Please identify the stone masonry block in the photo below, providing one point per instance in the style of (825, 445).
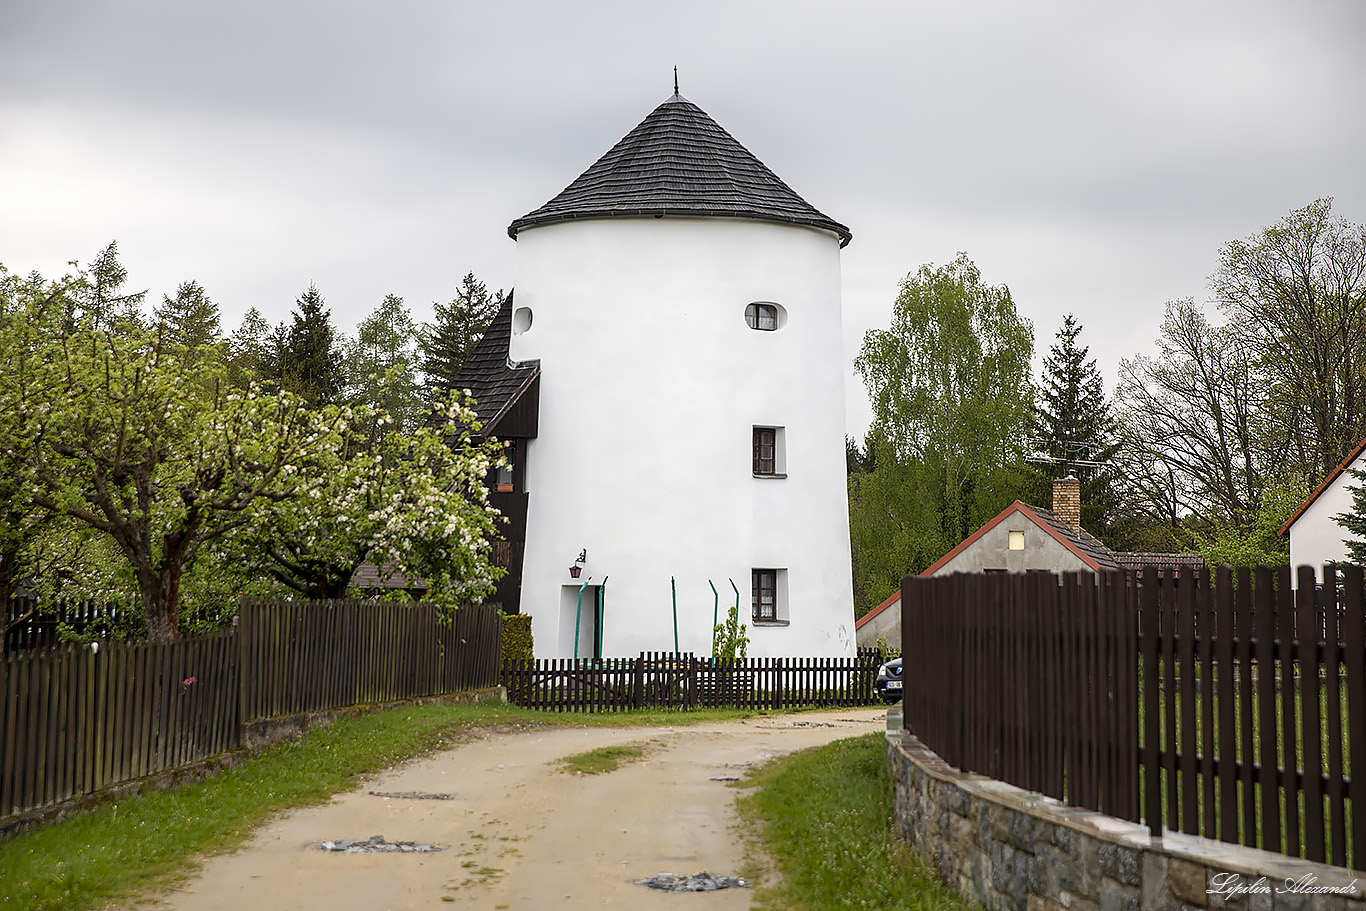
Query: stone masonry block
(1081, 867)
(1010, 873)
(956, 801)
(1023, 834)
(1073, 902)
(1188, 882)
(1044, 880)
(999, 819)
(1115, 896)
(1120, 864)
(1155, 893)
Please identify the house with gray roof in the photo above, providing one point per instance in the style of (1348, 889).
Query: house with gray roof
(1024, 538)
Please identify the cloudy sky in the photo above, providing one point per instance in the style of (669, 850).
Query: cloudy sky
(1091, 156)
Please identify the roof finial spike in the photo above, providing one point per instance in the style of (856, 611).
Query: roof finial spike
(675, 80)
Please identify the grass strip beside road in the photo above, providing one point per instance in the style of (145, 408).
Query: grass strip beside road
(148, 842)
(825, 817)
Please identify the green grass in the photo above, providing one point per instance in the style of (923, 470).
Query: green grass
(126, 849)
(603, 759)
(1292, 753)
(825, 816)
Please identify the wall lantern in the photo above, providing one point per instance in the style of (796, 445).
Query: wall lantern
(575, 570)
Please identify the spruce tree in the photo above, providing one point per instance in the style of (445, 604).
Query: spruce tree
(1354, 522)
(101, 301)
(190, 318)
(251, 352)
(309, 364)
(1073, 429)
(456, 329)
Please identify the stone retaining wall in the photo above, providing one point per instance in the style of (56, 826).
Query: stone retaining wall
(1016, 850)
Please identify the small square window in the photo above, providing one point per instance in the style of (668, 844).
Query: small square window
(1017, 540)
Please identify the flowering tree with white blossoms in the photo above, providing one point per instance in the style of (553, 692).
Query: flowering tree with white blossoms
(140, 440)
(440, 524)
(113, 434)
(412, 503)
(26, 304)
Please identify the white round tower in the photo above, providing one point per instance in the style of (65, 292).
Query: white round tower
(684, 307)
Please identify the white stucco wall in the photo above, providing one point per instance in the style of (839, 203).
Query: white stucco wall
(885, 625)
(651, 385)
(1316, 538)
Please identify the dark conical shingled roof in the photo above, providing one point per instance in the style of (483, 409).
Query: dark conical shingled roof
(679, 161)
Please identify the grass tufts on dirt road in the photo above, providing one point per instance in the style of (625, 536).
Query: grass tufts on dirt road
(137, 845)
(824, 815)
(603, 759)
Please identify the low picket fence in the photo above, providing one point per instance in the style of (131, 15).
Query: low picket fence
(673, 680)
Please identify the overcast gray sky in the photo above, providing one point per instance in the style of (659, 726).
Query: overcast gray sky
(1091, 156)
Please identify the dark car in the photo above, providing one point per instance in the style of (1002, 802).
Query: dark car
(888, 683)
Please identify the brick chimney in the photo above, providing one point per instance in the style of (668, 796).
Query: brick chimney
(1067, 502)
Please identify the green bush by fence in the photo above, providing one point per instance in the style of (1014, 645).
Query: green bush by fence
(517, 642)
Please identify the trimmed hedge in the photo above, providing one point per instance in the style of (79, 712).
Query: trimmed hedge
(517, 642)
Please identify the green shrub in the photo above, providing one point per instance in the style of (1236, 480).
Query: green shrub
(729, 641)
(517, 642)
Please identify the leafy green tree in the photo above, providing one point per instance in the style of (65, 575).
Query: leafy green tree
(453, 333)
(949, 384)
(381, 363)
(138, 441)
(894, 526)
(1254, 541)
(309, 362)
(1074, 431)
(413, 502)
(189, 319)
(1300, 287)
(29, 308)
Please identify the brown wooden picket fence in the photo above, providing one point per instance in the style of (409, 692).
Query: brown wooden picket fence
(674, 680)
(1235, 711)
(30, 624)
(77, 719)
(308, 656)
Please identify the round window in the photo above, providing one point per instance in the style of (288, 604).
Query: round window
(765, 316)
(521, 320)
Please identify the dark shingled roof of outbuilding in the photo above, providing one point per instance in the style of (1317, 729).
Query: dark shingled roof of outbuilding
(496, 382)
(679, 161)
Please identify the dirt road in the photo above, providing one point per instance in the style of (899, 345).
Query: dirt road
(518, 833)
